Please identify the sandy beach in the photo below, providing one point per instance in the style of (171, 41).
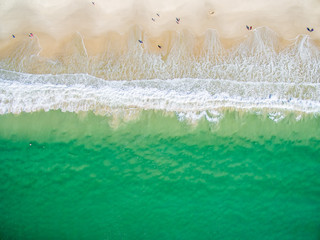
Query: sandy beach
(113, 23)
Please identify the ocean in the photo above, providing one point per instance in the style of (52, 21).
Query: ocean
(222, 144)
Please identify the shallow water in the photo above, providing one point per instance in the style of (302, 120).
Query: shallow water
(68, 176)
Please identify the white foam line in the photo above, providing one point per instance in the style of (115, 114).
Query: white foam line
(83, 45)
(40, 48)
(16, 97)
(25, 78)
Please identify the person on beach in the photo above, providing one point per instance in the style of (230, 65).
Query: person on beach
(140, 41)
(159, 46)
(310, 30)
(30, 35)
(177, 20)
(93, 3)
(153, 19)
(158, 14)
(13, 36)
(249, 28)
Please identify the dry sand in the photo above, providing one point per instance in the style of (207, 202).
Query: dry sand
(112, 23)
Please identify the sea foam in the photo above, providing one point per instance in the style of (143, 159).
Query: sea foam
(256, 74)
(81, 92)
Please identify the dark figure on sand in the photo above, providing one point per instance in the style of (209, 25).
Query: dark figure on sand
(140, 41)
(249, 28)
(310, 30)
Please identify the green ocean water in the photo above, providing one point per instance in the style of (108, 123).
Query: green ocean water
(81, 176)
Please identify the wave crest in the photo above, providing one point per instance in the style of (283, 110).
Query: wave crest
(81, 92)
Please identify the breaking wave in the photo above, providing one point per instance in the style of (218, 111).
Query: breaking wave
(256, 74)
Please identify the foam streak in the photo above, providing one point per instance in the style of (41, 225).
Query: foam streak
(48, 92)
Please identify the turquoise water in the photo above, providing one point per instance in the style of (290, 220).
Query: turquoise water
(82, 176)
